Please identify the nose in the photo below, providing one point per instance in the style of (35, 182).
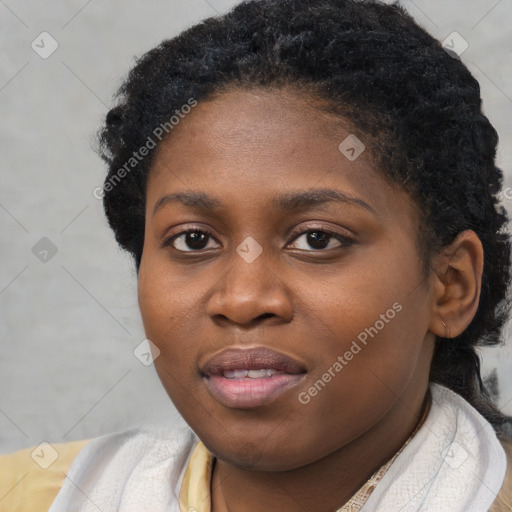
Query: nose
(250, 293)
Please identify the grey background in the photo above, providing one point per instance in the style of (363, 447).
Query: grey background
(70, 324)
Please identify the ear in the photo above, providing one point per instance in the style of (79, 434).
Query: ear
(457, 281)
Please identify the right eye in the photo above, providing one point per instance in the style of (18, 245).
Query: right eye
(192, 238)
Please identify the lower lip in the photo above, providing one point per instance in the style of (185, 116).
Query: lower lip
(247, 393)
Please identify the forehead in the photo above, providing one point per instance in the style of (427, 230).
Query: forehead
(262, 141)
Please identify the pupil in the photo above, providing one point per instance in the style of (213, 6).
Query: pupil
(194, 237)
(316, 237)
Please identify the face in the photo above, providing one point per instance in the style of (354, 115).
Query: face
(328, 292)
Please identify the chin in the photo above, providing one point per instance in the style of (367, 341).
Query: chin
(259, 456)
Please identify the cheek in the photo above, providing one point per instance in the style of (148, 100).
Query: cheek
(166, 310)
(168, 319)
(371, 336)
(377, 301)
(167, 299)
(356, 383)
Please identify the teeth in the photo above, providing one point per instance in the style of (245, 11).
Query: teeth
(236, 374)
(257, 374)
(261, 374)
(253, 374)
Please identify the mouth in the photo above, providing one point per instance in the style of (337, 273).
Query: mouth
(246, 378)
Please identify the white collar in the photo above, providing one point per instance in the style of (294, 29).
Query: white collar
(454, 463)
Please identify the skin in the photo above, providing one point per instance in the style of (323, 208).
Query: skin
(245, 147)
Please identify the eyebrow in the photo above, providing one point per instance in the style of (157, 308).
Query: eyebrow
(291, 201)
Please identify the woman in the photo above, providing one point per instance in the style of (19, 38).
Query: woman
(308, 189)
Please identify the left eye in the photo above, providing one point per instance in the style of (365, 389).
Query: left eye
(319, 239)
(195, 239)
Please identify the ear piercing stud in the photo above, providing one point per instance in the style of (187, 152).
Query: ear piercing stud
(449, 335)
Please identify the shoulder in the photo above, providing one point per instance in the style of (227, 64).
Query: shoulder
(140, 467)
(36, 478)
(503, 502)
(31, 478)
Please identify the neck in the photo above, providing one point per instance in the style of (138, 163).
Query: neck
(324, 485)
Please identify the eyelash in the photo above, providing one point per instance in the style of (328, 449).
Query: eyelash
(344, 241)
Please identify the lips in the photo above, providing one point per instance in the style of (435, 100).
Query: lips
(251, 359)
(247, 378)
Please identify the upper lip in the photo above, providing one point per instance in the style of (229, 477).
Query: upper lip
(251, 359)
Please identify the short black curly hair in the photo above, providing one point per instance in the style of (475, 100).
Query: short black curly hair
(417, 106)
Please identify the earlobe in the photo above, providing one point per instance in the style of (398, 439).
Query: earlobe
(458, 279)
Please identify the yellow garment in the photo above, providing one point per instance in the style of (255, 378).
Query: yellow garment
(195, 488)
(27, 487)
